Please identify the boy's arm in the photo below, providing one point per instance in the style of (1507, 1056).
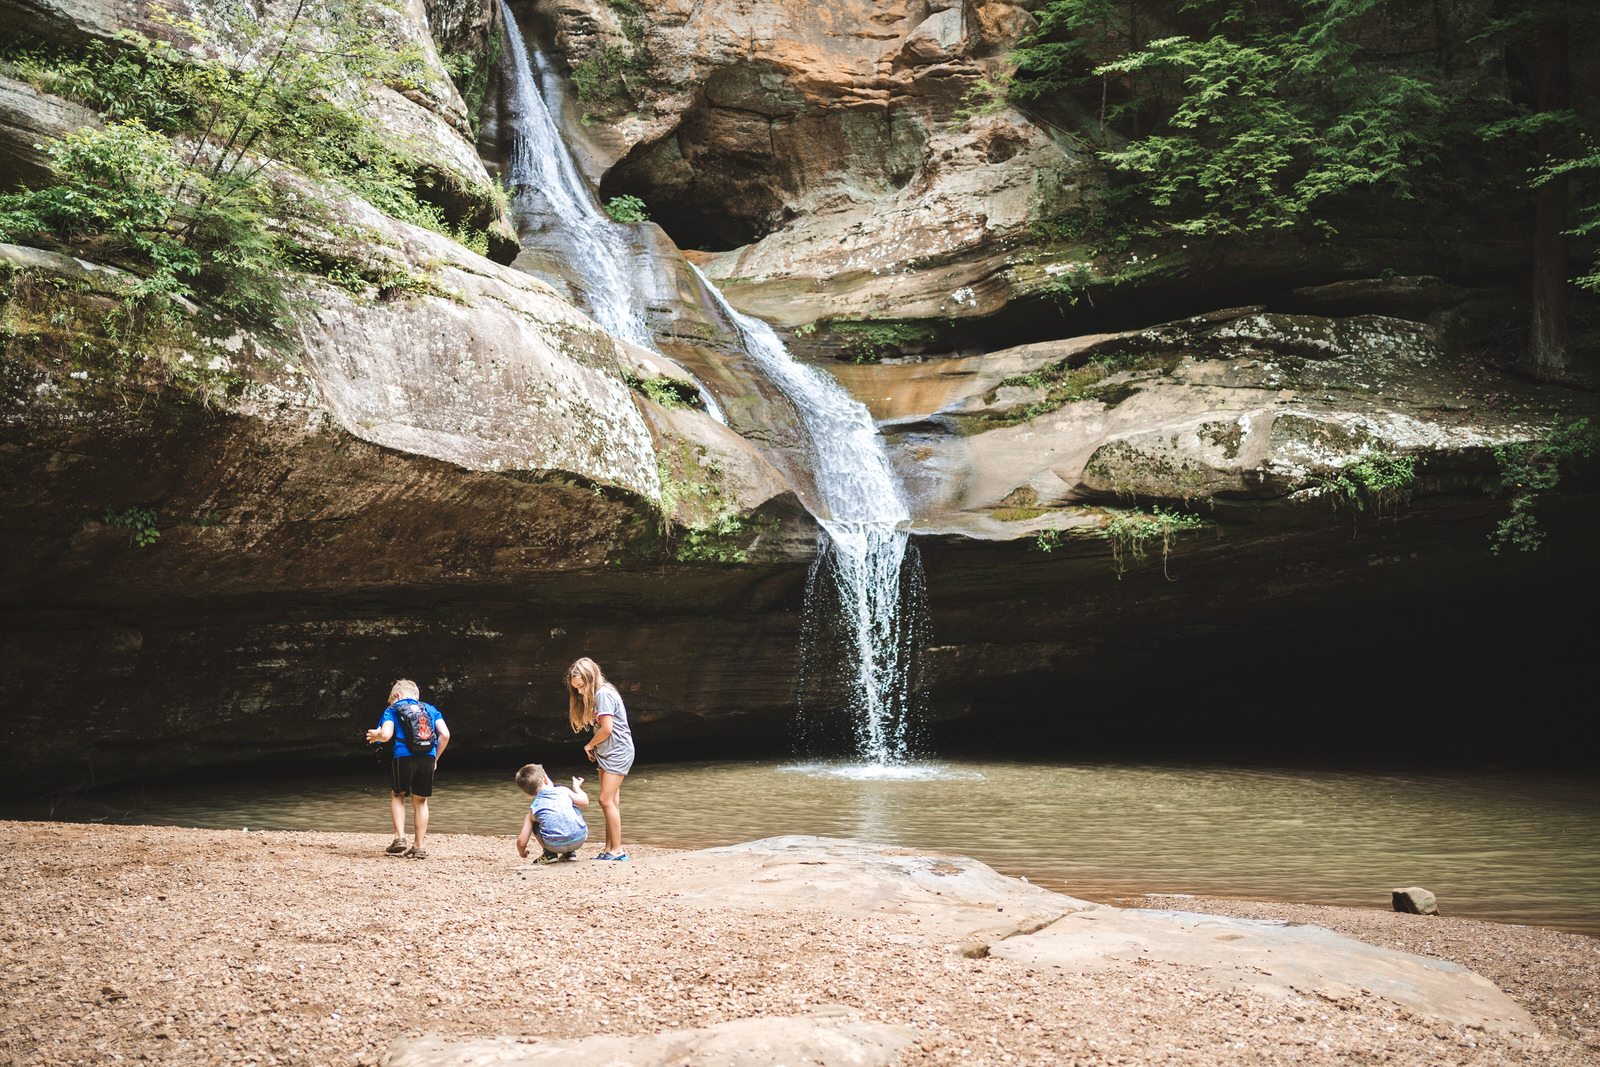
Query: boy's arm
(444, 737)
(579, 797)
(384, 731)
(522, 838)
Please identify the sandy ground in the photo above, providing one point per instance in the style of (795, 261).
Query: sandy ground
(192, 946)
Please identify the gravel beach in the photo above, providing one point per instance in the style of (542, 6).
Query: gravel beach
(197, 946)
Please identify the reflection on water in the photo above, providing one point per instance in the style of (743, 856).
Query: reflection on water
(1514, 847)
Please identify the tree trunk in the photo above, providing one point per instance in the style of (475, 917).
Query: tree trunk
(1547, 352)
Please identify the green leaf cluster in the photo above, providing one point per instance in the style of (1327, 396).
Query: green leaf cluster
(627, 209)
(1257, 122)
(1382, 482)
(714, 531)
(182, 184)
(668, 392)
(1527, 470)
(873, 341)
(139, 522)
(1131, 533)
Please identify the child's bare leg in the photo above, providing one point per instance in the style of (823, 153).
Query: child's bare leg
(611, 805)
(397, 812)
(421, 804)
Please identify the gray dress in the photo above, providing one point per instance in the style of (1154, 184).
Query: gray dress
(615, 753)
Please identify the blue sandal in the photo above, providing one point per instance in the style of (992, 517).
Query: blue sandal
(609, 856)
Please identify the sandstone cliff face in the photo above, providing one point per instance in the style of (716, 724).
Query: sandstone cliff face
(819, 137)
(461, 429)
(817, 149)
(461, 478)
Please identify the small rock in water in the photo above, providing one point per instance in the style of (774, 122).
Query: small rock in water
(1415, 901)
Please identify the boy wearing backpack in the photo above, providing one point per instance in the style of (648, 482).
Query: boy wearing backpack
(420, 736)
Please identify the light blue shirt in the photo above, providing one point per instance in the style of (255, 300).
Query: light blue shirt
(559, 821)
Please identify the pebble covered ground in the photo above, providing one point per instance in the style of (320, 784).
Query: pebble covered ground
(197, 946)
(1554, 975)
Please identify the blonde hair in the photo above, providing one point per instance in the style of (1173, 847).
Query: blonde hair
(530, 778)
(581, 703)
(405, 688)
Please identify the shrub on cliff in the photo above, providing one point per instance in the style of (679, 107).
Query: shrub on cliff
(1256, 120)
(198, 207)
(1218, 119)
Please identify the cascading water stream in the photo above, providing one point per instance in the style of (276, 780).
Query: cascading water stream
(541, 166)
(545, 181)
(864, 556)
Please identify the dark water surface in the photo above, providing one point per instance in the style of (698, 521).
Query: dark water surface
(1513, 847)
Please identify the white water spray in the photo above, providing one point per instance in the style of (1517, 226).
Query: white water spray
(542, 167)
(864, 557)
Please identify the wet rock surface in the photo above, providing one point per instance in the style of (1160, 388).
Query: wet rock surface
(182, 946)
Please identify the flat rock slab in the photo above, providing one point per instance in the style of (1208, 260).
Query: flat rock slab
(839, 1039)
(955, 898)
(1268, 957)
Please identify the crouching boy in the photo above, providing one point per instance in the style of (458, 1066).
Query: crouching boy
(552, 815)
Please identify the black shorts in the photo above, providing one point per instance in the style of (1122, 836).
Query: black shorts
(413, 775)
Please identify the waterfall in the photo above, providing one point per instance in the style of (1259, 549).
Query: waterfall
(863, 563)
(864, 575)
(543, 168)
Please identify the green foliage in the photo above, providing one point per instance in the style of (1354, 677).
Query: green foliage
(1529, 469)
(117, 184)
(1132, 532)
(1256, 124)
(206, 220)
(118, 81)
(871, 342)
(715, 530)
(668, 392)
(716, 540)
(1048, 540)
(627, 209)
(602, 75)
(471, 75)
(139, 522)
(1382, 482)
(1584, 163)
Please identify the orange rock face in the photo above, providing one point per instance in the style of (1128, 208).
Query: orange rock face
(815, 145)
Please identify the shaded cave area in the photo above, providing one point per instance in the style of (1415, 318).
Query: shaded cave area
(704, 200)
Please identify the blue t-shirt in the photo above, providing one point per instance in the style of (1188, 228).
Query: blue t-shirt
(559, 821)
(400, 748)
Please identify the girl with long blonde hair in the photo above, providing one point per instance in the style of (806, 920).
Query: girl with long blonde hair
(594, 702)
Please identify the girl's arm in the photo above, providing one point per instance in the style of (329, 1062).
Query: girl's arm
(579, 797)
(527, 832)
(602, 730)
